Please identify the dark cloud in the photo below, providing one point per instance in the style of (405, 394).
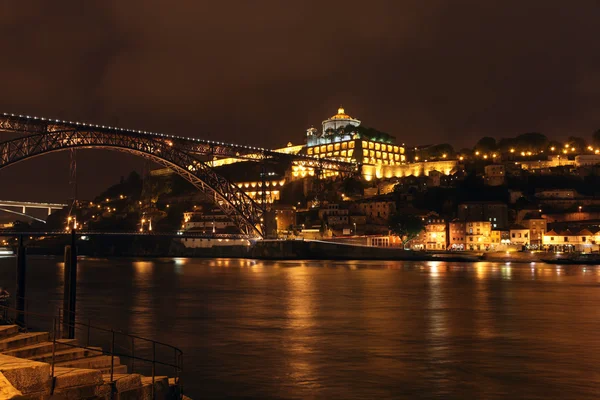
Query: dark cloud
(263, 71)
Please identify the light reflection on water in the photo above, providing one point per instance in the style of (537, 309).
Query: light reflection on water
(325, 329)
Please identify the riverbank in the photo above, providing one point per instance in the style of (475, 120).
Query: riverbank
(283, 250)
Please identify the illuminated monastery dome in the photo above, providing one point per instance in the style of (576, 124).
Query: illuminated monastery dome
(341, 119)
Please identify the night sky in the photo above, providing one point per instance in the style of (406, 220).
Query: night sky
(261, 72)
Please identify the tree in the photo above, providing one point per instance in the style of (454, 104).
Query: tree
(505, 144)
(579, 143)
(596, 137)
(486, 144)
(439, 150)
(406, 226)
(533, 141)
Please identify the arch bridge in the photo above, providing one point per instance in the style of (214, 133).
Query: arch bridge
(185, 156)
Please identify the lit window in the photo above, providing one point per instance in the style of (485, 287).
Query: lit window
(345, 145)
(377, 146)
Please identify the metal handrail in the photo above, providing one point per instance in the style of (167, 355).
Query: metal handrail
(58, 323)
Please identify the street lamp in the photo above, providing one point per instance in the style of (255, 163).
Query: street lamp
(355, 228)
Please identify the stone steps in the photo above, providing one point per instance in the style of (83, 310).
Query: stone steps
(94, 362)
(79, 373)
(67, 377)
(39, 348)
(73, 353)
(22, 339)
(26, 376)
(118, 369)
(76, 383)
(8, 330)
(124, 382)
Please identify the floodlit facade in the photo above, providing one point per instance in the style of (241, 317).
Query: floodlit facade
(435, 235)
(519, 235)
(584, 240)
(478, 235)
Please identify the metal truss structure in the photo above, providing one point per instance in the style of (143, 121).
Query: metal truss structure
(46, 136)
(212, 149)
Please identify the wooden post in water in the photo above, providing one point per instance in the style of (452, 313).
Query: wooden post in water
(73, 284)
(21, 275)
(66, 292)
(70, 288)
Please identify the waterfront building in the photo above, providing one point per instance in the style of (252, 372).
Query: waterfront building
(195, 243)
(499, 238)
(519, 235)
(537, 229)
(567, 240)
(478, 235)
(213, 221)
(435, 235)
(334, 215)
(457, 235)
(378, 241)
(494, 212)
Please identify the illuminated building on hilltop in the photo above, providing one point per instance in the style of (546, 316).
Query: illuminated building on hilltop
(344, 139)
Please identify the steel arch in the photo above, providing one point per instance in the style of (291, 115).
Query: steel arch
(238, 206)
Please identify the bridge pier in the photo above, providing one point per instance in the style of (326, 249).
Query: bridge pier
(21, 280)
(70, 288)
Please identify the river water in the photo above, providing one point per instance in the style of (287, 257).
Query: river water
(350, 330)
